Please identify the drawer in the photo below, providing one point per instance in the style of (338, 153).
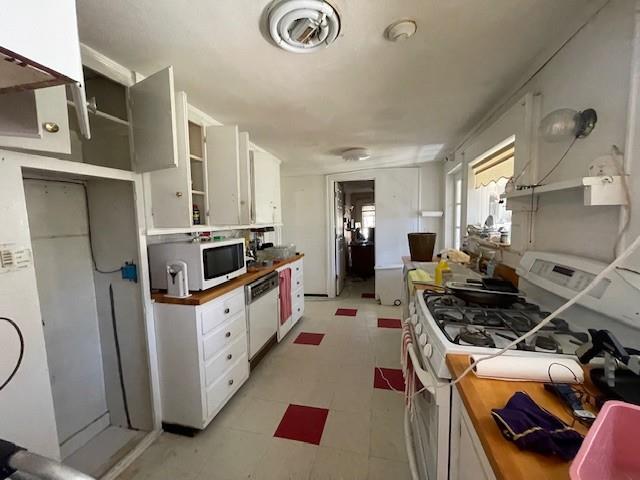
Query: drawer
(297, 309)
(297, 296)
(218, 311)
(297, 268)
(227, 385)
(297, 282)
(221, 362)
(220, 338)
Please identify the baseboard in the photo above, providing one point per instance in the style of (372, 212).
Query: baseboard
(324, 295)
(115, 471)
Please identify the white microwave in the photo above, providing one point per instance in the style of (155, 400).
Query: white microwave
(208, 263)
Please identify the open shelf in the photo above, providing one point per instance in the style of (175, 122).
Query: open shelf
(604, 190)
(208, 228)
(103, 115)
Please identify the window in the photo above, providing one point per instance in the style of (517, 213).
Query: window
(368, 216)
(490, 176)
(457, 209)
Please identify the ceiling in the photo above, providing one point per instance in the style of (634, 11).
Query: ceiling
(404, 101)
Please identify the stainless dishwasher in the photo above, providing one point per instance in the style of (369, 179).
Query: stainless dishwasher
(262, 311)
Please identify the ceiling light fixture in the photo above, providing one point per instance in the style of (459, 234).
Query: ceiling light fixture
(303, 26)
(400, 30)
(356, 154)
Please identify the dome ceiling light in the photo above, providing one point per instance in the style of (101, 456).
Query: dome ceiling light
(303, 26)
(356, 154)
(400, 30)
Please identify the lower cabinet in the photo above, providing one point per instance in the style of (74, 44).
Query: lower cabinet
(467, 458)
(202, 356)
(297, 297)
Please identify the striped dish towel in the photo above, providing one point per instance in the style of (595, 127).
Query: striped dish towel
(407, 367)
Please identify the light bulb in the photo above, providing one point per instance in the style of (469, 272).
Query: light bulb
(566, 123)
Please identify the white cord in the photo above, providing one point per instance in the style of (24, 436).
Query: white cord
(610, 268)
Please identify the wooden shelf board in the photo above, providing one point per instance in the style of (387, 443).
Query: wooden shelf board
(431, 213)
(563, 185)
(195, 158)
(198, 192)
(207, 228)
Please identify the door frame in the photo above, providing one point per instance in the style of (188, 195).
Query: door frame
(331, 181)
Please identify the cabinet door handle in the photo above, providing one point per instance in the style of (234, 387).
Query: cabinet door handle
(229, 357)
(226, 310)
(228, 334)
(51, 127)
(231, 382)
(178, 194)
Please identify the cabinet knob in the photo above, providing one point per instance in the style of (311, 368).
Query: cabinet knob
(51, 127)
(178, 194)
(228, 334)
(229, 357)
(231, 382)
(226, 310)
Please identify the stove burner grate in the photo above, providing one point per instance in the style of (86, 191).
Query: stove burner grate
(547, 343)
(487, 319)
(475, 337)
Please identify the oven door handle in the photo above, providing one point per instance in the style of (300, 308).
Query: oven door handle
(426, 378)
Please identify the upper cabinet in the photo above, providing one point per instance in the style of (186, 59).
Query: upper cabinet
(39, 45)
(266, 187)
(223, 172)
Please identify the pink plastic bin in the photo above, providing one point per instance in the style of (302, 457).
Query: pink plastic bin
(610, 449)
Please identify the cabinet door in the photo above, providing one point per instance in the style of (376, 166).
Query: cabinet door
(223, 174)
(35, 120)
(170, 190)
(153, 120)
(265, 184)
(246, 213)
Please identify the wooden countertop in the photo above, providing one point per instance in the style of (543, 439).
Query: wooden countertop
(199, 298)
(507, 460)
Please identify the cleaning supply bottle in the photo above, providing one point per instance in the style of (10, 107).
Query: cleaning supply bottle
(442, 270)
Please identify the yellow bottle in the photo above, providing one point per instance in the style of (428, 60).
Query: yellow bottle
(441, 268)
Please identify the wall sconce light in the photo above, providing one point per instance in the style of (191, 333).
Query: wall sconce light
(565, 123)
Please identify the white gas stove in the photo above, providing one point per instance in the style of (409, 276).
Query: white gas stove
(444, 324)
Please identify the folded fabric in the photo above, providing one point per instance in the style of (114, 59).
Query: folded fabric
(531, 427)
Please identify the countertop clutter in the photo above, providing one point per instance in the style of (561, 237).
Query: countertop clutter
(200, 298)
(507, 460)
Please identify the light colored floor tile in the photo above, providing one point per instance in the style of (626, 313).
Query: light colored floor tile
(387, 403)
(352, 398)
(286, 460)
(260, 416)
(332, 464)
(387, 437)
(347, 431)
(383, 469)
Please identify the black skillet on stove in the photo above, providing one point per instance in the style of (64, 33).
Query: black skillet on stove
(489, 292)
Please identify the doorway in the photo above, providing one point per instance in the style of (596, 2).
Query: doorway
(355, 223)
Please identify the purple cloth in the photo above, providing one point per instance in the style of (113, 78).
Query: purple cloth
(531, 427)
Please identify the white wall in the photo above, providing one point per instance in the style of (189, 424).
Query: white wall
(591, 71)
(304, 224)
(432, 198)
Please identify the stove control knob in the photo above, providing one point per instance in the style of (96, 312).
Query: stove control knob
(418, 328)
(422, 339)
(427, 350)
(414, 319)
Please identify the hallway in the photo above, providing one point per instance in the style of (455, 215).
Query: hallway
(307, 412)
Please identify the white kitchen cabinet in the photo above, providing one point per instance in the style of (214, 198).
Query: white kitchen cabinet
(266, 188)
(39, 44)
(468, 460)
(202, 357)
(297, 297)
(247, 213)
(223, 173)
(35, 120)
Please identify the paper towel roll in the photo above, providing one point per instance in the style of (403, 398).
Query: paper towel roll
(532, 369)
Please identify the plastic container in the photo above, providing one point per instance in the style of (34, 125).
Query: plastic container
(442, 268)
(610, 449)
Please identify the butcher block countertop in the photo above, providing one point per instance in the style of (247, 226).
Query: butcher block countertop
(507, 460)
(199, 298)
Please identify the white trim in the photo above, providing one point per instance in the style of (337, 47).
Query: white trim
(81, 438)
(115, 471)
(208, 228)
(492, 150)
(105, 66)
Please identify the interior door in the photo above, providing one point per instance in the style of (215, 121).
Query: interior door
(153, 122)
(341, 264)
(170, 192)
(223, 173)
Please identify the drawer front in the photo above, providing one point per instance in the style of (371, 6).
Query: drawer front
(221, 362)
(297, 282)
(218, 311)
(227, 385)
(222, 337)
(297, 309)
(297, 296)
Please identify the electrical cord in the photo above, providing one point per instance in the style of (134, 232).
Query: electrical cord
(564, 155)
(20, 355)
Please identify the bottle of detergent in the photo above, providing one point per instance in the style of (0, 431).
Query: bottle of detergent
(443, 272)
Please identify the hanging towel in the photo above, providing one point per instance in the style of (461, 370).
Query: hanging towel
(407, 367)
(285, 295)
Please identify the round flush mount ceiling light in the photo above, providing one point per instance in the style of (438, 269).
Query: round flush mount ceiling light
(356, 154)
(400, 30)
(303, 26)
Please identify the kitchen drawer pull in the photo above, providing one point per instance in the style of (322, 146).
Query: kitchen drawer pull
(231, 382)
(228, 334)
(226, 310)
(229, 357)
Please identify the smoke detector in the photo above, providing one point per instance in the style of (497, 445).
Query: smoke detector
(400, 30)
(303, 26)
(356, 154)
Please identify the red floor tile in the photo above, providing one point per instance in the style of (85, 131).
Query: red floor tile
(389, 323)
(368, 295)
(392, 379)
(309, 338)
(347, 312)
(301, 423)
